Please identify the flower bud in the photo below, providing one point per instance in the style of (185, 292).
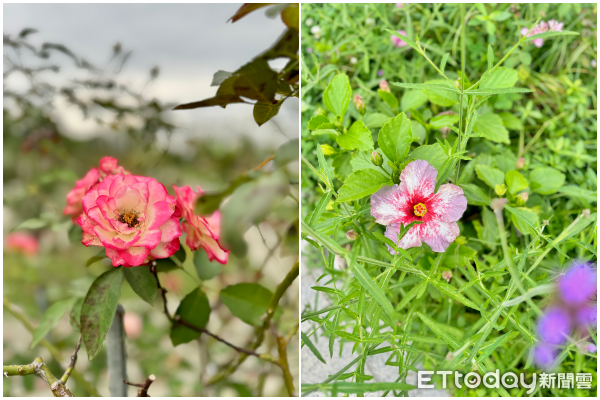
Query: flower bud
(385, 86)
(500, 189)
(352, 235)
(396, 177)
(376, 158)
(521, 163)
(359, 104)
(522, 198)
(327, 150)
(447, 275)
(545, 222)
(586, 213)
(461, 240)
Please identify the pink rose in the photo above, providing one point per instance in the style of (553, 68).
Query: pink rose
(108, 166)
(201, 231)
(132, 217)
(133, 324)
(399, 42)
(23, 242)
(414, 200)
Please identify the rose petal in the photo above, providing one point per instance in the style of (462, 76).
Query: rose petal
(127, 198)
(165, 249)
(170, 229)
(157, 214)
(134, 256)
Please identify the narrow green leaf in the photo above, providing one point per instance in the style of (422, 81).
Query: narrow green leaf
(411, 295)
(490, 57)
(99, 308)
(443, 63)
(424, 86)
(451, 291)
(487, 92)
(359, 387)
(314, 217)
(408, 41)
(311, 346)
(551, 34)
(452, 342)
(374, 290)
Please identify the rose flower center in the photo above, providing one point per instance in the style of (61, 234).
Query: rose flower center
(420, 210)
(129, 218)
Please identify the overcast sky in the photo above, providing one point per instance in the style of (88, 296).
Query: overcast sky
(188, 42)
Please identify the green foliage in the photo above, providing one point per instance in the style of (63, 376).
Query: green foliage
(194, 309)
(518, 124)
(247, 301)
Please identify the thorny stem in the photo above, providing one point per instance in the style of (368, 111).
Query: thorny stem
(39, 368)
(282, 363)
(143, 392)
(54, 352)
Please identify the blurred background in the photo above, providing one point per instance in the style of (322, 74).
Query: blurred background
(83, 81)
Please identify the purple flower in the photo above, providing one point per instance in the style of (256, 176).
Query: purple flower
(554, 326)
(578, 285)
(397, 41)
(587, 315)
(380, 72)
(592, 348)
(544, 355)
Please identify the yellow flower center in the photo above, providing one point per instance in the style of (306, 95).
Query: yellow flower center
(129, 218)
(420, 210)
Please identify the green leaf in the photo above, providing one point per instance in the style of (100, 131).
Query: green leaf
(311, 346)
(374, 290)
(442, 93)
(219, 77)
(375, 120)
(443, 120)
(99, 308)
(36, 223)
(433, 154)
(546, 180)
(100, 256)
(195, 310)
(411, 294)
(317, 121)
(443, 63)
(546, 35)
(250, 204)
(143, 282)
(412, 100)
(205, 268)
(247, 301)
(510, 121)
(515, 182)
(451, 291)
(313, 218)
(338, 94)
(445, 172)
(358, 137)
(395, 138)
(287, 152)
(439, 84)
(491, 176)
(577, 192)
(75, 315)
(475, 195)
(491, 127)
(389, 98)
(486, 92)
(263, 112)
(501, 78)
(490, 57)
(166, 265)
(362, 183)
(52, 315)
(524, 219)
(256, 81)
(451, 341)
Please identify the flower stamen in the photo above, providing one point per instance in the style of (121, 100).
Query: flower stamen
(420, 210)
(129, 218)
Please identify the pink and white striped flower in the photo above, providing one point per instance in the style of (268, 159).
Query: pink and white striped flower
(201, 231)
(108, 166)
(132, 217)
(414, 200)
